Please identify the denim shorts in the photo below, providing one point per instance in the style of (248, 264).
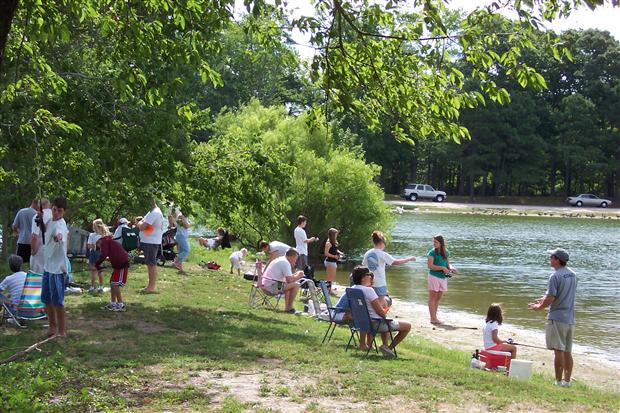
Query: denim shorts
(93, 256)
(330, 264)
(53, 289)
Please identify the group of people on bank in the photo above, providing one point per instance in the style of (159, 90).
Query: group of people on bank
(42, 241)
(370, 277)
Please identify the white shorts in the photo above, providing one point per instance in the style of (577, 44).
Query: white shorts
(437, 284)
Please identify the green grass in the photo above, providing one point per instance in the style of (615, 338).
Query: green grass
(198, 346)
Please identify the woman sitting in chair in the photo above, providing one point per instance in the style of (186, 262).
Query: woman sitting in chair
(362, 280)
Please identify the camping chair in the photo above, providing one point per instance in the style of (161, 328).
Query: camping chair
(130, 238)
(30, 306)
(5, 311)
(332, 312)
(307, 291)
(361, 318)
(260, 297)
(76, 243)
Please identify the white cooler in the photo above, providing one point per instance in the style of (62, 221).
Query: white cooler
(520, 369)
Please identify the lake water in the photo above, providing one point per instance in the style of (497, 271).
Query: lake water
(504, 259)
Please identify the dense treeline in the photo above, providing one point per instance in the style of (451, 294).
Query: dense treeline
(110, 103)
(560, 141)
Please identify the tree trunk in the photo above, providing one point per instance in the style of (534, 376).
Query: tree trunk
(461, 181)
(552, 179)
(413, 168)
(471, 187)
(7, 12)
(484, 184)
(567, 178)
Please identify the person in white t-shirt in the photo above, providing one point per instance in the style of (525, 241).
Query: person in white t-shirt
(151, 230)
(363, 280)
(236, 258)
(118, 232)
(302, 241)
(100, 230)
(274, 248)
(55, 269)
(280, 271)
(376, 259)
(490, 334)
(13, 283)
(37, 257)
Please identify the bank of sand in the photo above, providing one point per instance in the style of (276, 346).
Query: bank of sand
(590, 368)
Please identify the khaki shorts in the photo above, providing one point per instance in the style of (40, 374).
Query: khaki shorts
(383, 328)
(559, 335)
(272, 288)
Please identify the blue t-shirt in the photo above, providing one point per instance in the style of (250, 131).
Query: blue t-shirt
(562, 285)
(437, 260)
(23, 220)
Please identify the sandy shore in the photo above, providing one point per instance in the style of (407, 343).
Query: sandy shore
(506, 209)
(590, 368)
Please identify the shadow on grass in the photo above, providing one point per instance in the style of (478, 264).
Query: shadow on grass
(145, 336)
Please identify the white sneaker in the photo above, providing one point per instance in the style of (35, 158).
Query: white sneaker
(100, 290)
(110, 306)
(387, 352)
(558, 383)
(565, 383)
(91, 290)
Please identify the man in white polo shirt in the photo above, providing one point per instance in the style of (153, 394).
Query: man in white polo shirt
(151, 230)
(280, 272)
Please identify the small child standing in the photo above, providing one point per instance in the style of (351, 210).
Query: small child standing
(235, 260)
(100, 230)
(120, 268)
(490, 332)
(55, 268)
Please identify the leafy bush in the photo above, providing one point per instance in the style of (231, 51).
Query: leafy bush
(308, 174)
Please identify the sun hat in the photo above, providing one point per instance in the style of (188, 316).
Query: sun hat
(123, 221)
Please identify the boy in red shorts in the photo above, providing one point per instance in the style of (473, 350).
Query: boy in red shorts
(120, 266)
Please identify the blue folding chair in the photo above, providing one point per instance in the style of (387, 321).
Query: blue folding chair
(361, 318)
(333, 311)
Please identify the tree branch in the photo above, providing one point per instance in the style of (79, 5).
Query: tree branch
(28, 350)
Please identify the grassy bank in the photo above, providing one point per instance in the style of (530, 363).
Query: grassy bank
(197, 346)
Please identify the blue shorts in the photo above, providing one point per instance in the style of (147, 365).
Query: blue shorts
(53, 289)
(93, 256)
(381, 290)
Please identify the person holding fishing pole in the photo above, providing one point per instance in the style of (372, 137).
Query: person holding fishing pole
(376, 259)
(439, 270)
(560, 327)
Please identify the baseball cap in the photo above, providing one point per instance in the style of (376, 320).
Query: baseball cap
(560, 253)
(123, 221)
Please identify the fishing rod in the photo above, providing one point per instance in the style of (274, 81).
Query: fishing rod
(528, 345)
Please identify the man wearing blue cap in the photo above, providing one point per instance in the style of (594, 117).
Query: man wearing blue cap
(560, 298)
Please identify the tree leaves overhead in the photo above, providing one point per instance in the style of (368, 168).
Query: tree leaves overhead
(398, 58)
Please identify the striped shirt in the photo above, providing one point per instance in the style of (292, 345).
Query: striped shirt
(15, 284)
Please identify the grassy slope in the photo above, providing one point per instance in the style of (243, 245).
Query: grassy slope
(174, 350)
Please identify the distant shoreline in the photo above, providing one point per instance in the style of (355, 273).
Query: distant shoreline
(449, 207)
